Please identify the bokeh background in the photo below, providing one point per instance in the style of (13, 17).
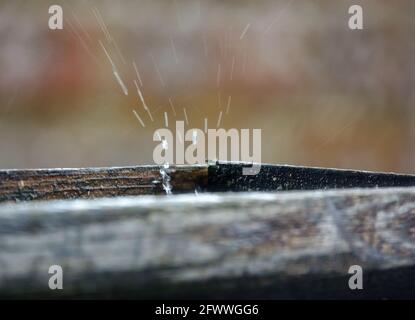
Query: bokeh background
(322, 94)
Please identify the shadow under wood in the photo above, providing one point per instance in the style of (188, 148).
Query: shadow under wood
(397, 283)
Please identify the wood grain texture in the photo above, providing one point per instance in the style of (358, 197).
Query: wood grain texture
(258, 245)
(47, 184)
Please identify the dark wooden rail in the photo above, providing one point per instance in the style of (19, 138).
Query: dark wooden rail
(88, 183)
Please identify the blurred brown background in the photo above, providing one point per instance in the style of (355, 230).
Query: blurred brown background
(322, 94)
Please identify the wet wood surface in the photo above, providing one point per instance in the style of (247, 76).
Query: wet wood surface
(237, 245)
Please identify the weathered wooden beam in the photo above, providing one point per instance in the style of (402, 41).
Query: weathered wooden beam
(258, 245)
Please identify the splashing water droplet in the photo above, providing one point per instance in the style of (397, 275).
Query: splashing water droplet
(165, 171)
(164, 144)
